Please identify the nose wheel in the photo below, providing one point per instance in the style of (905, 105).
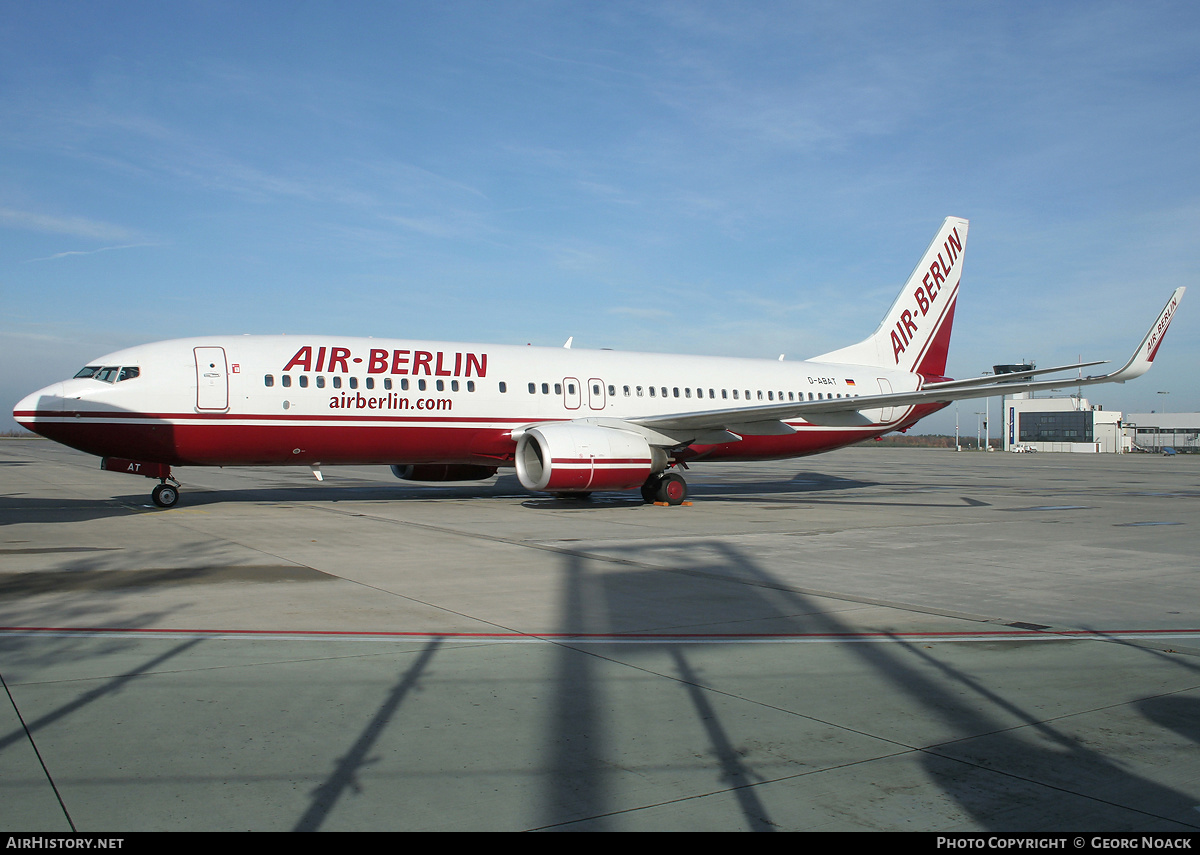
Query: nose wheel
(165, 495)
(668, 488)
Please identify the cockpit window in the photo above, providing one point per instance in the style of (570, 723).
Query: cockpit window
(87, 371)
(110, 373)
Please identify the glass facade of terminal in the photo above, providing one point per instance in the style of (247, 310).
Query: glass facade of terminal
(1066, 426)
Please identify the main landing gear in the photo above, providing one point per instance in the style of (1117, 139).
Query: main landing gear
(666, 487)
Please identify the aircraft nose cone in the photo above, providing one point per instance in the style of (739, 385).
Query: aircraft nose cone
(42, 402)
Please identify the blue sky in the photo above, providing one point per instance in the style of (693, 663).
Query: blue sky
(730, 178)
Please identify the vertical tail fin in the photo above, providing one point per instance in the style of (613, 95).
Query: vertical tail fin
(915, 333)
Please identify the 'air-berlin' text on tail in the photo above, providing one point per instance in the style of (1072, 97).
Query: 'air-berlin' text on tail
(915, 333)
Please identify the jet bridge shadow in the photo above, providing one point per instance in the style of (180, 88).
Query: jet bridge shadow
(1001, 776)
(345, 776)
(964, 704)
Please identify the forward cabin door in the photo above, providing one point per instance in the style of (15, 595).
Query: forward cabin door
(212, 379)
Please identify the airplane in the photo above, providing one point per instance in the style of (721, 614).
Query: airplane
(570, 421)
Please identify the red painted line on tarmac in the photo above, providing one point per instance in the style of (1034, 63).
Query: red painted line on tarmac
(982, 635)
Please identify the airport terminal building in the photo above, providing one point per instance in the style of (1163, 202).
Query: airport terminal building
(1156, 431)
(1075, 424)
(1062, 424)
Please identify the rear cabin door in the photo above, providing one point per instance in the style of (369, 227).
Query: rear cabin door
(885, 388)
(596, 393)
(212, 379)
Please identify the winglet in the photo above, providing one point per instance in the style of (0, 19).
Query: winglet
(1143, 357)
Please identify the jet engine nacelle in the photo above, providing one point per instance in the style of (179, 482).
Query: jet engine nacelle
(442, 472)
(572, 457)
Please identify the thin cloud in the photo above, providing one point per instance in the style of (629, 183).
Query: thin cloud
(88, 251)
(76, 226)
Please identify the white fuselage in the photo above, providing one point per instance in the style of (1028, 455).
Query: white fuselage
(314, 399)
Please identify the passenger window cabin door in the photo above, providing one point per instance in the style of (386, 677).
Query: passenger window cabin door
(572, 396)
(212, 379)
(596, 398)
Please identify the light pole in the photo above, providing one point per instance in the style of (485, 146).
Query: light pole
(1164, 409)
(987, 412)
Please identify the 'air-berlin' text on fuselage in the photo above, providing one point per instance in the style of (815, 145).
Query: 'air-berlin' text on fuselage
(925, 295)
(378, 361)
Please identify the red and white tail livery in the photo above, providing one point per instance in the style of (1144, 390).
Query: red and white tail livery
(915, 334)
(570, 421)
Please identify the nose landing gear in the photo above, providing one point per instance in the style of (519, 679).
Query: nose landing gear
(165, 495)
